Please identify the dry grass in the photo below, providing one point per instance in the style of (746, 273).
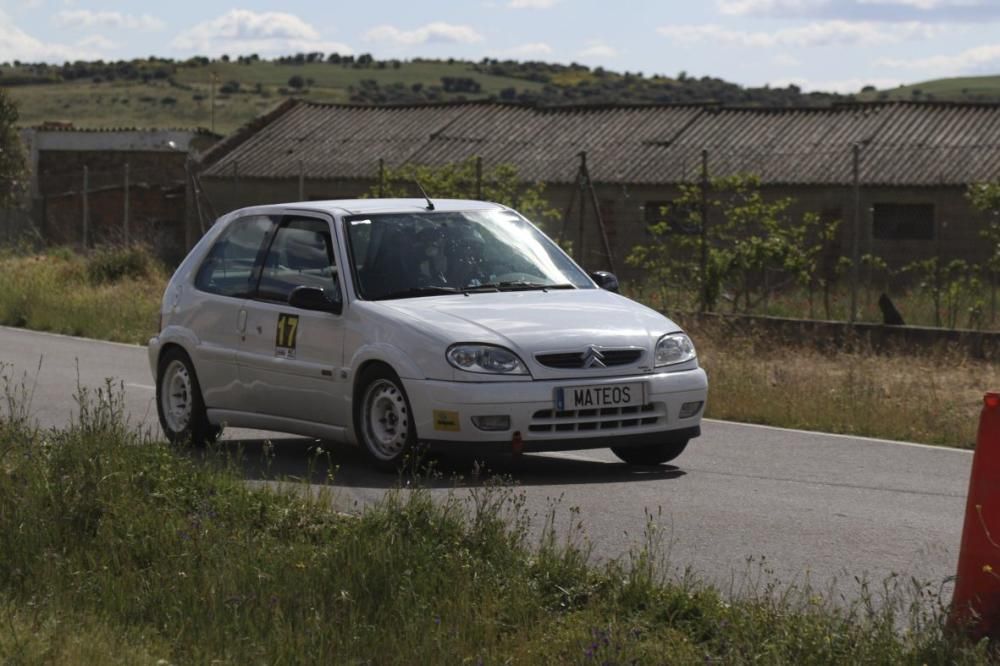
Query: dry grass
(932, 397)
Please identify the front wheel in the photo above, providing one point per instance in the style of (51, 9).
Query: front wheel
(650, 454)
(382, 418)
(179, 403)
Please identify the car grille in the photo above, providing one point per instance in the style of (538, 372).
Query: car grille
(570, 360)
(608, 418)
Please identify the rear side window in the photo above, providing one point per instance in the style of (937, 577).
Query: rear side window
(228, 268)
(300, 255)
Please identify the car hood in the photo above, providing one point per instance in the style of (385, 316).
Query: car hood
(532, 322)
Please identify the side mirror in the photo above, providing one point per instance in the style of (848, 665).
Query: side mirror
(605, 280)
(314, 298)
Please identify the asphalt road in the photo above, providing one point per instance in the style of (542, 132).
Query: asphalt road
(822, 507)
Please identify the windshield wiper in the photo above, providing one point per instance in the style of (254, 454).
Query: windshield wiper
(522, 285)
(414, 292)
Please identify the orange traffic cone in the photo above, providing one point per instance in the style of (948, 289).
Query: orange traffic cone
(975, 605)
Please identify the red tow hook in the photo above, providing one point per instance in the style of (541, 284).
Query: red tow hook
(517, 444)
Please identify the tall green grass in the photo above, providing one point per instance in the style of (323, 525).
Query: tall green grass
(117, 549)
(109, 293)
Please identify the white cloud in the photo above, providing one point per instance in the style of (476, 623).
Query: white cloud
(824, 33)
(785, 60)
(843, 86)
(15, 44)
(531, 50)
(99, 42)
(85, 19)
(926, 5)
(245, 31)
(876, 10)
(532, 4)
(745, 7)
(598, 49)
(437, 32)
(968, 61)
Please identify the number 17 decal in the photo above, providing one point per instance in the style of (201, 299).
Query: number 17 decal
(284, 339)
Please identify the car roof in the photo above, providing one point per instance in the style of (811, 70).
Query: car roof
(362, 206)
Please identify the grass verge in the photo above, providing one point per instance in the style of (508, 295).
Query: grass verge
(109, 294)
(932, 397)
(121, 550)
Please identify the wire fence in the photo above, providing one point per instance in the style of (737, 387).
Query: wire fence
(896, 205)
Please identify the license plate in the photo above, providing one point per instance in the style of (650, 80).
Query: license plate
(571, 398)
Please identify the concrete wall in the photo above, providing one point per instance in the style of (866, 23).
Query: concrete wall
(624, 212)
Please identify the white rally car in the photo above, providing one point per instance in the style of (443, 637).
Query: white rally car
(392, 323)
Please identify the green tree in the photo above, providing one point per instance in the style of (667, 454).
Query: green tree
(500, 184)
(754, 246)
(13, 168)
(985, 197)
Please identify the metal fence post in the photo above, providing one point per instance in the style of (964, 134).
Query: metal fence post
(125, 212)
(302, 182)
(381, 178)
(856, 232)
(86, 207)
(479, 178)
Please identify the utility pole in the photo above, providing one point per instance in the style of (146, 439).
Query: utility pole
(211, 102)
(856, 232)
(703, 265)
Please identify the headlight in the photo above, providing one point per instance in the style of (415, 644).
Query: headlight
(487, 359)
(673, 349)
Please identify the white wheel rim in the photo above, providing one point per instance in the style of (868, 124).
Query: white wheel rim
(176, 396)
(386, 419)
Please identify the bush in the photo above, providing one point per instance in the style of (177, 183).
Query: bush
(113, 264)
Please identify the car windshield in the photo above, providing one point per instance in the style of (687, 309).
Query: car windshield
(406, 255)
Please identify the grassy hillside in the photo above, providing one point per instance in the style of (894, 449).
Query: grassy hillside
(182, 97)
(965, 88)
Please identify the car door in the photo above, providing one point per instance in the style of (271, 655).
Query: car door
(291, 358)
(216, 316)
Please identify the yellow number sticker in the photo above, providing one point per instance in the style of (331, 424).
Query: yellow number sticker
(284, 339)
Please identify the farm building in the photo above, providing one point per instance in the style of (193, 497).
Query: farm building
(134, 179)
(914, 162)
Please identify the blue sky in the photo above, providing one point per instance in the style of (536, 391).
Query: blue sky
(837, 45)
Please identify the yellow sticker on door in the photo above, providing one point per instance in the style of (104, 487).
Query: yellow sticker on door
(446, 421)
(284, 338)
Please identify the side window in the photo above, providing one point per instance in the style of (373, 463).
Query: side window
(893, 221)
(228, 268)
(300, 255)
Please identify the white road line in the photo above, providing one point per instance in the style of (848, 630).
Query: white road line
(572, 456)
(147, 387)
(817, 433)
(15, 329)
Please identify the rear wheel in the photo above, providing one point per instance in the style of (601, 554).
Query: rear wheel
(179, 403)
(382, 418)
(650, 454)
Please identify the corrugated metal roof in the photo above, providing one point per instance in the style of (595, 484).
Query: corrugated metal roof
(901, 143)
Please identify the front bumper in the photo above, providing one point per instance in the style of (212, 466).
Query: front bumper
(443, 412)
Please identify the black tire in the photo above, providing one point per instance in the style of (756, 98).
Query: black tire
(185, 420)
(383, 421)
(650, 454)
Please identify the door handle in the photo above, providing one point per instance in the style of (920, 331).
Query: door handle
(241, 322)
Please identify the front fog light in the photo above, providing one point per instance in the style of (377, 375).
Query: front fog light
(689, 409)
(492, 422)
